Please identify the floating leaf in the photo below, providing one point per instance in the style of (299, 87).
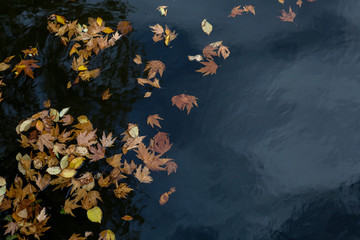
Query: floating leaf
(206, 27)
(127, 218)
(94, 214)
(107, 235)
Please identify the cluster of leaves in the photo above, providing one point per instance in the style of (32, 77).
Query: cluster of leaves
(87, 39)
(25, 65)
(160, 34)
(59, 149)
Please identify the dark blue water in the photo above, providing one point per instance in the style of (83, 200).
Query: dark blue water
(272, 151)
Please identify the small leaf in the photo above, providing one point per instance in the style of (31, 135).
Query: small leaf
(94, 214)
(127, 218)
(53, 170)
(107, 235)
(206, 27)
(64, 111)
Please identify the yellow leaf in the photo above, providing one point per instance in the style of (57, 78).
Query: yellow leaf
(94, 214)
(53, 170)
(167, 40)
(82, 68)
(99, 21)
(82, 119)
(107, 235)
(108, 30)
(206, 27)
(60, 19)
(68, 173)
(76, 162)
(281, 1)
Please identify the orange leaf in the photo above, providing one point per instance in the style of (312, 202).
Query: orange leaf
(153, 120)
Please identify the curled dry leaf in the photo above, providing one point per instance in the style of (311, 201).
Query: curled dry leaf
(127, 218)
(165, 196)
(162, 9)
(106, 94)
(124, 27)
(198, 58)
(137, 59)
(147, 94)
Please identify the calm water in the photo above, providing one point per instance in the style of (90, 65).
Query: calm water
(273, 150)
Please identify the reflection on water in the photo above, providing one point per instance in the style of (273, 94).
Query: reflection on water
(271, 152)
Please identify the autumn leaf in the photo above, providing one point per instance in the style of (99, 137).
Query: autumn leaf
(26, 66)
(94, 214)
(98, 153)
(107, 235)
(162, 9)
(69, 206)
(183, 101)
(106, 95)
(124, 27)
(249, 8)
(127, 218)
(153, 120)
(45, 140)
(165, 196)
(206, 27)
(30, 52)
(157, 29)
(154, 66)
(86, 138)
(209, 51)
(147, 94)
(161, 143)
(299, 3)
(223, 51)
(171, 167)
(287, 17)
(107, 141)
(143, 174)
(137, 59)
(122, 190)
(210, 67)
(236, 11)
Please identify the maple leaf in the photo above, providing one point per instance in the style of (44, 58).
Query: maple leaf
(151, 161)
(154, 66)
(107, 141)
(12, 227)
(287, 17)
(86, 75)
(98, 153)
(26, 66)
(157, 29)
(106, 95)
(161, 142)
(236, 11)
(143, 174)
(209, 51)
(31, 52)
(69, 206)
(128, 168)
(124, 27)
(90, 200)
(45, 140)
(153, 120)
(86, 138)
(115, 160)
(210, 67)
(42, 182)
(183, 101)
(171, 167)
(122, 190)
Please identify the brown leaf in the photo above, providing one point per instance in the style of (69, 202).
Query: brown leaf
(161, 142)
(153, 120)
(127, 218)
(122, 190)
(249, 8)
(107, 141)
(115, 160)
(147, 94)
(69, 206)
(154, 66)
(210, 67)
(171, 167)
(165, 196)
(98, 153)
(224, 51)
(287, 17)
(86, 138)
(137, 59)
(26, 66)
(12, 227)
(181, 101)
(124, 27)
(236, 11)
(209, 51)
(143, 175)
(106, 95)
(45, 140)
(157, 29)
(299, 3)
